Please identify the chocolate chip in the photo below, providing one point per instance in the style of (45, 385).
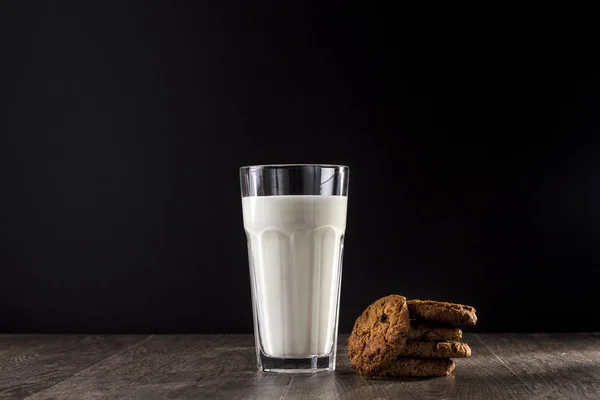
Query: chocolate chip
(383, 318)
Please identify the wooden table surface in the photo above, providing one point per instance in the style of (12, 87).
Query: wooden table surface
(503, 366)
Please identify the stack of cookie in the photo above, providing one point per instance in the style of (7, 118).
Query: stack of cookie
(396, 337)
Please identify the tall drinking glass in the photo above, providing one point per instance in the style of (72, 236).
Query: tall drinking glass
(295, 218)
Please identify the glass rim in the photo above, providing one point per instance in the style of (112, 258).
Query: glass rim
(287, 166)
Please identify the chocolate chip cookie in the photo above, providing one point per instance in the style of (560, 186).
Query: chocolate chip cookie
(439, 311)
(422, 367)
(435, 350)
(430, 332)
(378, 335)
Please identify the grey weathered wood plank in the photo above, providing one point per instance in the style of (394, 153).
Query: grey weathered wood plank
(224, 367)
(176, 366)
(565, 366)
(31, 363)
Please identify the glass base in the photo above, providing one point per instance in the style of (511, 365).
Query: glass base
(308, 365)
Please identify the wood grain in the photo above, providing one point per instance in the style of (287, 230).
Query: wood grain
(31, 363)
(506, 366)
(176, 366)
(561, 366)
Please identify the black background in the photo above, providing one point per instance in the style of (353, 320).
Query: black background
(472, 142)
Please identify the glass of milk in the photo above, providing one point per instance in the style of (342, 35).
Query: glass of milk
(295, 218)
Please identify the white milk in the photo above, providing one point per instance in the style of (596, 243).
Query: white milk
(295, 245)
